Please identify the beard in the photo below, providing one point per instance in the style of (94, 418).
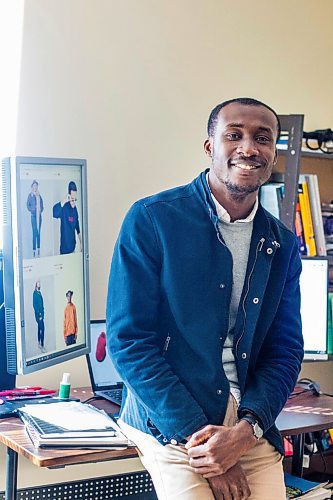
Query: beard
(238, 191)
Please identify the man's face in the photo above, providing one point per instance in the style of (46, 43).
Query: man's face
(72, 198)
(243, 147)
(34, 187)
(38, 285)
(69, 298)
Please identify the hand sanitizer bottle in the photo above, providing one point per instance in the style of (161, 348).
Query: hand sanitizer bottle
(65, 386)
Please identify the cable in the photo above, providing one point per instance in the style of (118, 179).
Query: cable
(93, 398)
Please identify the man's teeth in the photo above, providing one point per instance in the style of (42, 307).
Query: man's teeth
(245, 166)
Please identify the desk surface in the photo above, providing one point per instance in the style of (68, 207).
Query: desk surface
(304, 413)
(12, 435)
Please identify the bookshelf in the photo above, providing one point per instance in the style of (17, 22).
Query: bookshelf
(295, 160)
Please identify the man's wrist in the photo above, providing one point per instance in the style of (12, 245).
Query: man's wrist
(254, 424)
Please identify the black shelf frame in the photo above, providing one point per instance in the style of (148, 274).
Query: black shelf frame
(293, 124)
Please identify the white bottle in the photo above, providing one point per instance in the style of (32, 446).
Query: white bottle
(65, 386)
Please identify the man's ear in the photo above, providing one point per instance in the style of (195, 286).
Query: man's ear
(275, 157)
(208, 146)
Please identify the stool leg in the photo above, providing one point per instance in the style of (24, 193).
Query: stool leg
(11, 477)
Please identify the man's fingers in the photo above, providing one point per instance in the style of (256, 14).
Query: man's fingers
(197, 450)
(209, 474)
(198, 437)
(246, 491)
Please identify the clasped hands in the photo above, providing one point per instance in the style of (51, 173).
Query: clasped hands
(214, 452)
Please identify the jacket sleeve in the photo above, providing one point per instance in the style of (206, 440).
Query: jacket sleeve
(280, 358)
(29, 203)
(57, 210)
(133, 339)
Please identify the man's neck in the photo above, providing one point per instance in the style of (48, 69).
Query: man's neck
(238, 206)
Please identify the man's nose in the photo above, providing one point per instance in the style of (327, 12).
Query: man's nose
(248, 147)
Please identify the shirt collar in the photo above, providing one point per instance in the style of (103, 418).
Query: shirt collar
(224, 216)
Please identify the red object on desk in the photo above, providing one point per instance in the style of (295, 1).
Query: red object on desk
(27, 392)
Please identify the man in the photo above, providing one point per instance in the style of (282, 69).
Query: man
(67, 212)
(38, 305)
(203, 320)
(35, 206)
(70, 321)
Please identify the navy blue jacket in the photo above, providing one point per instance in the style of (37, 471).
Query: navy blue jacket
(168, 314)
(69, 223)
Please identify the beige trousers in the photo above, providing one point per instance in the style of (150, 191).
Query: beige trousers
(174, 478)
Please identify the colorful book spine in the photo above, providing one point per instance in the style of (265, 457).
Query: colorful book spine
(299, 230)
(315, 207)
(304, 202)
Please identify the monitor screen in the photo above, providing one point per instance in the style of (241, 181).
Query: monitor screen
(45, 252)
(314, 296)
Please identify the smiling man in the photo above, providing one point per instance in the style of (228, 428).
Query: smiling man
(203, 320)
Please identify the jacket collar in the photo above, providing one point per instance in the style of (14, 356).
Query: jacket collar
(261, 223)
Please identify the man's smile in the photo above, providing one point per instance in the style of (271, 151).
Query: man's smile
(245, 165)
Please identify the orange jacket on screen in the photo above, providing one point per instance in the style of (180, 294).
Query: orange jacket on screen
(70, 320)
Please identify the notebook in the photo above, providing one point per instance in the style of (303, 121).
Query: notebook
(105, 380)
(71, 424)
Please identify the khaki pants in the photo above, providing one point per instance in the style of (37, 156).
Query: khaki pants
(173, 477)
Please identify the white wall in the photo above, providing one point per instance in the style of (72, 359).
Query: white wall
(129, 85)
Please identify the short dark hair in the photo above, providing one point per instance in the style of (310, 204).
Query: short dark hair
(71, 187)
(246, 101)
(69, 293)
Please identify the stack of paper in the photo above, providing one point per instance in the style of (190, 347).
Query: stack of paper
(71, 424)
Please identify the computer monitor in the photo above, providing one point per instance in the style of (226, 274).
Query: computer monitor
(45, 254)
(314, 298)
(7, 381)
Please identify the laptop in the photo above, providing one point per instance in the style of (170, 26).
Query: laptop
(105, 380)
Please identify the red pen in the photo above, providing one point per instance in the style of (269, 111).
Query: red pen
(27, 388)
(42, 392)
(18, 390)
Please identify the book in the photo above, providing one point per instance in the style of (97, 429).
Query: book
(271, 196)
(317, 494)
(315, 207)
(299, 487)
(71, 425)
(303, 197)
(299, 230)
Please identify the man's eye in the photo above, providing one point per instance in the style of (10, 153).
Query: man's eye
(232, 136)
(263, 139)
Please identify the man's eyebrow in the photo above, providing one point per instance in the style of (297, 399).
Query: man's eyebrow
(241, 125)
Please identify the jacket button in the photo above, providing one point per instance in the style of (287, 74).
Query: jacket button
(165, 440)
(255, 300)
(222, 285)
(243, 355)
(219, 392)
(269, 251)
(173, 441)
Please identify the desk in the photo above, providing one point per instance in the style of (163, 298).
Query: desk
(305, 413)
(13, 436)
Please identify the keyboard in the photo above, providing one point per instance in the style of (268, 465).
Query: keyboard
(114, 395)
